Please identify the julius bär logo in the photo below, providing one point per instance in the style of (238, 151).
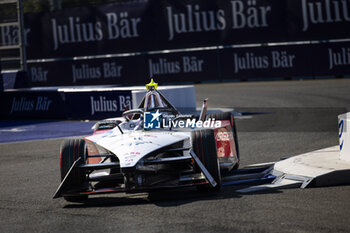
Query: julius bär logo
(151, 120)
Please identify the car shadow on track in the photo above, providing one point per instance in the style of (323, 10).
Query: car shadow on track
(165, 198)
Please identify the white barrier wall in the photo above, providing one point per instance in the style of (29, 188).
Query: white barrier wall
(182, 97)
(344, 136)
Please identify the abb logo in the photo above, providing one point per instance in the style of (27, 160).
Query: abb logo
(224, 136)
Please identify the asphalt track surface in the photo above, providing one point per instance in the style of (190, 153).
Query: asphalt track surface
(24, 130)
(299, 116)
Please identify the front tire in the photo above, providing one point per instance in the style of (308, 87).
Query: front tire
(204, 146)
(71, 150)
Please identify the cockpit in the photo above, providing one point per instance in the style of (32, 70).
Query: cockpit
(153, 101)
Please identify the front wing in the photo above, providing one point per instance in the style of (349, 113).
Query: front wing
(184, 181)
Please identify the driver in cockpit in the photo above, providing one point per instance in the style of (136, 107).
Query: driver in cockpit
(152, 101)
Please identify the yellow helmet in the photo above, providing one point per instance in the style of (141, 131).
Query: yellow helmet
(152, 84)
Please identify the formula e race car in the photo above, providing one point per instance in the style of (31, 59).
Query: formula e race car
(149, 148)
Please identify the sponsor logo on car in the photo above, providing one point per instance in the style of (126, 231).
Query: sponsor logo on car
(224, 136)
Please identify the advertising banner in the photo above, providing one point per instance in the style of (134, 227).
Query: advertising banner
(118, 70)
(195, 66)
(148, 25)
(111, 28)
(27, 104)
(182, 67)
(97, 104)
(169, 67)
(286, 61)
(55, 104)
(267, 61)
(331, 59)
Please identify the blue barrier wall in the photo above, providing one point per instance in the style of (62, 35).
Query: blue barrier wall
(55, 104)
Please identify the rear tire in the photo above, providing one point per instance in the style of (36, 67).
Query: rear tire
(227, 116)
(204, 146)
(71, 150)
